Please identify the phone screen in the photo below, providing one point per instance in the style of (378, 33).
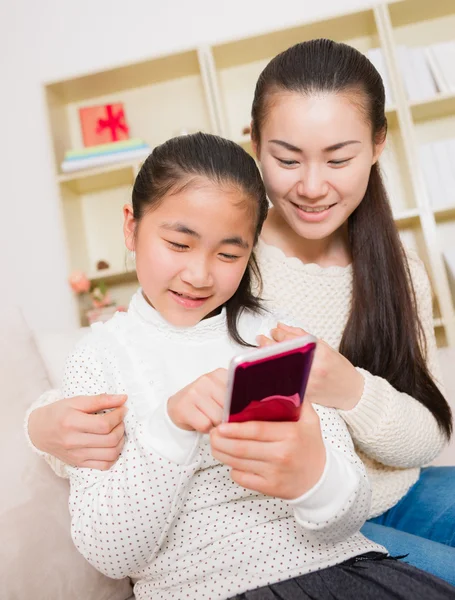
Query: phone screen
(272, 388)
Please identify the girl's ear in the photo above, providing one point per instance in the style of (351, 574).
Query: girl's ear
(129, 227)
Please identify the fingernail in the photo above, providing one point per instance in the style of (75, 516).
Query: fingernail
(223, 428)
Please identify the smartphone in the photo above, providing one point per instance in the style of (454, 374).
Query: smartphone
(268, 384)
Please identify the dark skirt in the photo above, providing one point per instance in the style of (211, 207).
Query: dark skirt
(372, 576)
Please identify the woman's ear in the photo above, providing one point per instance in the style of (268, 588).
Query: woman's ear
(254, 143)
(378, 149)
(129, 227)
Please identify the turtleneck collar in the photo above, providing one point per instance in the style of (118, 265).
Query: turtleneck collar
(213, 326)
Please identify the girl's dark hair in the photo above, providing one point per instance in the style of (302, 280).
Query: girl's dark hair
(383, 334)
(181, 162)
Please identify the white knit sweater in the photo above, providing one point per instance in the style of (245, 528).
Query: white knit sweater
(394, 434)
(167, 513)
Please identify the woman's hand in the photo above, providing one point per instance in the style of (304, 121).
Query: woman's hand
(333, 381)
(69, 430)
(284, 460)
(199, 406)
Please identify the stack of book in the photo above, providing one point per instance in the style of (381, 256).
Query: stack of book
(105, 154)
(427, 71)
(376, 56)
(392, 176)
(437, 160)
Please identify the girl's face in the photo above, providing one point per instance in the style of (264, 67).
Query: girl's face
(192, 250)
(316, 154)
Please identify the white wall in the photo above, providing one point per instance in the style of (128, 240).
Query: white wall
(50, 40)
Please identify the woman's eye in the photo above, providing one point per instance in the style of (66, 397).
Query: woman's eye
(337, 163)
(287, 163)
(177, 246)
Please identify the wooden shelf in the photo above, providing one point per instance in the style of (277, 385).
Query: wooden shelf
(406, 218)
(113, 276)
(445, 212)
(347, 26)
(91, 180)
(438, 107)
(113, 81)
(407, 12)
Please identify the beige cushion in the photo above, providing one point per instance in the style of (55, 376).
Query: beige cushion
(38, 559)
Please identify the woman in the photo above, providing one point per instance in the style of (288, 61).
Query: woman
(330, 256)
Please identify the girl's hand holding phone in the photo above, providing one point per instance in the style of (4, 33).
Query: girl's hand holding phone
(334, 381)
(279, 459)
(199, 405)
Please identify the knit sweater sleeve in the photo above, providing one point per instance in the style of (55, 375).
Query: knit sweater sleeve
(338, 505)
(389, 426)
(120, 517)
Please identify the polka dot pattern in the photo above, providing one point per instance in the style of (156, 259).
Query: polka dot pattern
(189, 531)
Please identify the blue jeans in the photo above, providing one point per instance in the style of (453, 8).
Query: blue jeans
(422, 524)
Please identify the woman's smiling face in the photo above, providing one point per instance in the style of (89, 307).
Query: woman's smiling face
(316, 154)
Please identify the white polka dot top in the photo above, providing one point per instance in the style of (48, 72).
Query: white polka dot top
(167, 513)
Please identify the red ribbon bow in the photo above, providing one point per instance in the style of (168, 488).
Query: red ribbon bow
(113, 122)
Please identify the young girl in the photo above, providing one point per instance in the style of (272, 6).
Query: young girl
(189, 515)
(331, 257)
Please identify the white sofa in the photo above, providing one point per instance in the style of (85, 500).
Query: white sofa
(39, 560)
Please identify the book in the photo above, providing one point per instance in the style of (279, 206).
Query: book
(390, 171)
(104, 148)
(444, 54)
(429, 166)
(425, 83)
(438, 76)
(69, 166)
(445, 173)
(418, 79)
(376, 57)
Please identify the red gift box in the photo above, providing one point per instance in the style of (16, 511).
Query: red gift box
(103, 124)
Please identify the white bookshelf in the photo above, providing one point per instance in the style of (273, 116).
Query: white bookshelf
(211, 89)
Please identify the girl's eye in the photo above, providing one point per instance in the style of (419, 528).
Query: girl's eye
(287, 163)
(229, 256)
(337, 163)
(176, 246)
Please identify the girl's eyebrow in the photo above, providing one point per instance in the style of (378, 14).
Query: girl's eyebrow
(332, 148)
(236, 241)
(182, 228)
(179, 228)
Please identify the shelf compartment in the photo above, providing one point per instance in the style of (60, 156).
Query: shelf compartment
(152, 93)
(156, 70)
(264, 46)
(93, 222)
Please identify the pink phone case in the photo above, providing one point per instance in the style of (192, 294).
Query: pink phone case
(268, 384)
